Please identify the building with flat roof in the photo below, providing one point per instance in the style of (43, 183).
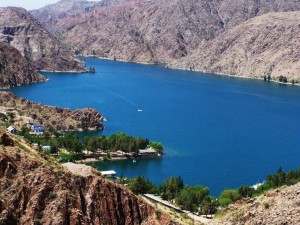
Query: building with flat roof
(148, 152)
(108, 173)
(12, 130)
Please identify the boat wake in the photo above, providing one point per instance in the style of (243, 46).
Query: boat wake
(132, 103)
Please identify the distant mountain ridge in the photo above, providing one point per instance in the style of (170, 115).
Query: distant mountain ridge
(165, 32)
(34, 42)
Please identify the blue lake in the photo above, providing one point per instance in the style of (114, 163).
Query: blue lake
(218, 131)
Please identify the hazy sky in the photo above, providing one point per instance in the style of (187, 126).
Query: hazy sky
(27, 4)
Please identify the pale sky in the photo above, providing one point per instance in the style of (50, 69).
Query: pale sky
(27, 4)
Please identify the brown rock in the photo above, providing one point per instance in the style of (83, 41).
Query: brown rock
(264, 45)
(38, 190)
(15, 70)
(35, 43)
(5, 140)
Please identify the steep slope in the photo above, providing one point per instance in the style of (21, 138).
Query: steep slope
(15, 70)
(50, 14)
(157, 31)
(49, 116)
(36, 44)
(268, 44)
(35, 189)
(280, 206)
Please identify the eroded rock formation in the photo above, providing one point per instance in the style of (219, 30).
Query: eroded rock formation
(35, 189)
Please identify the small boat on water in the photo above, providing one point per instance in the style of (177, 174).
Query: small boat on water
(134, 161)
(140, 110)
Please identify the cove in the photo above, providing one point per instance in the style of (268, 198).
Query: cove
(220, 132)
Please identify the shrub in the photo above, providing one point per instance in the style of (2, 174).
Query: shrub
(229, 196)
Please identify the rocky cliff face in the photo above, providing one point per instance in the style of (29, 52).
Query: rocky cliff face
(267, 44)
(35, 43)
(35, 189)
(50, 14)
(15, 70)
(49, 116)
(280, 206)
(157, 31)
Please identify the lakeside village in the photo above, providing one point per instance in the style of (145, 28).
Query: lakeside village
(67, 147)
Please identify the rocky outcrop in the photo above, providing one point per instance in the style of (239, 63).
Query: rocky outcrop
(267, 44)
(5, 140)
(35, 189)
(15, 70)
(35, 43)
(280, 206)
(49, 116)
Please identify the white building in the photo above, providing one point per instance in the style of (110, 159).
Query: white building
(12, 130)
(108, 173)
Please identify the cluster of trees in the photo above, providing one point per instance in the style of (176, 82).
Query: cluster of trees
(71, 143)
(119, 141)
(267, 77)
(283, 79)
(7, 119)
(92, 69)
(194, 199)
(278, 179)
(56, 140)
(197, 198)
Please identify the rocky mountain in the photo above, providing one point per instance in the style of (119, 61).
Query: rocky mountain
(35, 43)
(156, 31)
(50, 14)
(280, 206)
(15, 70)
(49, 116)
(35, 189)
(268, 44)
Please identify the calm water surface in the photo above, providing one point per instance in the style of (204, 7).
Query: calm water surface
(217, 131)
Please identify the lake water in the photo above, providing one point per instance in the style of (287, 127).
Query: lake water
(217, 131)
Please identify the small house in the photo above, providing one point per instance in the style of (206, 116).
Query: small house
(46, 148)
(12, 130)
(108, 173)
(149, 152)
(37, 129)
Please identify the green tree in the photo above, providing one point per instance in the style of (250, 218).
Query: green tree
(246, 191)
(171, 187)
(140, 185)
(157, 146)
(229, 196)
(190, 198)
(209, 205)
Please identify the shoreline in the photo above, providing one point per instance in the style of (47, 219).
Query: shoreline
(100, 159)
(234, 76)
(194, 70)
(59, 71)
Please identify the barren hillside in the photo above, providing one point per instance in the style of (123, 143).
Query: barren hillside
(35, 189)
(15, 70)
(34, 42)
(268, 44)
(280, 206)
